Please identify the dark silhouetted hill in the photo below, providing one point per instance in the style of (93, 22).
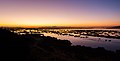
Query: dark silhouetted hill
(34, 47)
(116, 27)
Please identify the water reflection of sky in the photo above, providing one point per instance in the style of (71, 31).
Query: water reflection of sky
(91, 41)
(80, 39)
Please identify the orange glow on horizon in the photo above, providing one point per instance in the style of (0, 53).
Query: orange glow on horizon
(58, 13)
(71, 25)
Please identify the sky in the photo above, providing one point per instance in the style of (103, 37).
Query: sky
(59, 13)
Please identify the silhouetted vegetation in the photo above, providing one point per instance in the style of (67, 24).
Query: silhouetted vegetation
(36, 47)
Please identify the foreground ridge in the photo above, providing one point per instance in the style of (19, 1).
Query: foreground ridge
(43, 48)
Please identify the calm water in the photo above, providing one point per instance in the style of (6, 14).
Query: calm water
(91, 41)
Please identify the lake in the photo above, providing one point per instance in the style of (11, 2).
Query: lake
(92, 41)
(110, 39)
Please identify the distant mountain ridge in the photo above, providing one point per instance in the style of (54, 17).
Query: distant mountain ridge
(67, 27)
(115, 27)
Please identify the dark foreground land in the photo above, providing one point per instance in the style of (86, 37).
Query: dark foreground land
(34, 47)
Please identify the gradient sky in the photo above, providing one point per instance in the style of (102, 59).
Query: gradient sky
(59, 12)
